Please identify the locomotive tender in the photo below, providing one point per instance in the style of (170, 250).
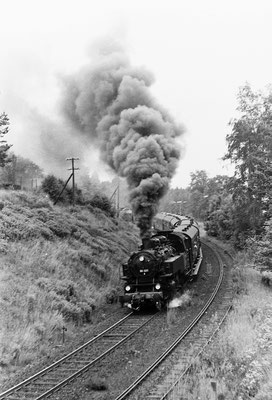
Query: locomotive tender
(164, 261)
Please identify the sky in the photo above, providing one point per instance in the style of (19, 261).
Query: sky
(200, 53)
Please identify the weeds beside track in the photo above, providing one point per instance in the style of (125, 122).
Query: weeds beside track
(53, 378)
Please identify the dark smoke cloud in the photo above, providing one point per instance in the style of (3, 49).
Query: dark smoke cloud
(111, 105)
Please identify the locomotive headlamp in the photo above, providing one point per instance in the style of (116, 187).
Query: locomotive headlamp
(157, 286)
(127, 288)
(141, 258)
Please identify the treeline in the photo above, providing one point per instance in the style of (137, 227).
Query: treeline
(236, 208)
(89, 195)
(18, 173)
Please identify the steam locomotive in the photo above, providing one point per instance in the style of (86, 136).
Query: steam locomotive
(164, 261)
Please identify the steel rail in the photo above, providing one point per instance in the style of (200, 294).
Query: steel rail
(86, 367)
(40, 373)
(187, 369)
(163, 356)
(15, 389)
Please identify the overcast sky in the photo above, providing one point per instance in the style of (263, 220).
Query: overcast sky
(200, 52)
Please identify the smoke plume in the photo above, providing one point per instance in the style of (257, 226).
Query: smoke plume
(110, 103)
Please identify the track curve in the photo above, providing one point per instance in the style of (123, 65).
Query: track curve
(168, 383)
(40, 388)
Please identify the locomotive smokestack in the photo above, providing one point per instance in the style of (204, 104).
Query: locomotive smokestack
(110, 103)
(145, 243)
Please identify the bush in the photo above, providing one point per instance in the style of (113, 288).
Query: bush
(56, 267)
(267, 278)
(54, 186)
(31, 200)
(101, 201)
(111, 296)
(67, 299)
(63, 288)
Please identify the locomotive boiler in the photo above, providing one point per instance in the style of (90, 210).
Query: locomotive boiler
(164, 261)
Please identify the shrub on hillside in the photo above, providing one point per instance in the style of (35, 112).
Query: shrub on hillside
(98, 269)
(101, 201)
(66, 299)
(17, 224)
(46, 284)
(63, 288)
(59, 227)
(267, 278)
(33, 200)
(111, 295)
(54, 187)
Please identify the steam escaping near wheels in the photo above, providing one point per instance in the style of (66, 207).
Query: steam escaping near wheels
(180, 301)
(110, 103)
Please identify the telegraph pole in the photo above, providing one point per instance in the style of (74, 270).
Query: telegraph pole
(73, 169)
(116, 196)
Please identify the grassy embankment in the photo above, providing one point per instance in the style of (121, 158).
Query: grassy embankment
(57, 265)
(238, 365)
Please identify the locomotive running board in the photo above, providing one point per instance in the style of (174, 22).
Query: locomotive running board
(197, 266)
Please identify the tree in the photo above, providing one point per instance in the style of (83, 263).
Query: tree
(250, 149)
(20, 171)
(199, 198)
(176, 201)
(53, 186)
(219, 221)
(101, 201)
(4, 147)
(263, 249)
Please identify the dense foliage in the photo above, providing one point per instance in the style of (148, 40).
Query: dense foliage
(260, 250)
(55, 188)
(57, 191)
(4, 147)
(243, 208)
(250, 149)
(101, 201)
(203, 196)
(57, 265)
(20, 172)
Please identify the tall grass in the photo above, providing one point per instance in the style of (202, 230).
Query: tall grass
(239, 364)
(57, 265)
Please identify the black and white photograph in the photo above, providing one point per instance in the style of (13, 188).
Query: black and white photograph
(135, 200)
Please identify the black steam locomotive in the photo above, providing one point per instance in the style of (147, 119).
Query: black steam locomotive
(164, 261)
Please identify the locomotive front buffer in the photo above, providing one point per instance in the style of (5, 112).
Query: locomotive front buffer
(153, 284)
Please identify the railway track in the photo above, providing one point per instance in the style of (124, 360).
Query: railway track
(159, 381)
(172, 366)
(51, 379)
